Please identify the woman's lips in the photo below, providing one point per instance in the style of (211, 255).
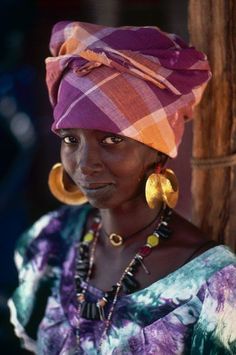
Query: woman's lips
(96, 189)
(94, 186)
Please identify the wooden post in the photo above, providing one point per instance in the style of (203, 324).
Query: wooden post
(212, 27)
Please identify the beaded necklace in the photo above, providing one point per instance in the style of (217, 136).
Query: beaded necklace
(127, 281)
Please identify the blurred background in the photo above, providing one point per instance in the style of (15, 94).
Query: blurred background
(28, 148)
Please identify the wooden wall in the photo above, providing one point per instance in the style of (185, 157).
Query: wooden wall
(212, 27)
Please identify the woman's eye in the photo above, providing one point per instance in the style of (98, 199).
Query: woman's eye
(70, 140)
(112, 140)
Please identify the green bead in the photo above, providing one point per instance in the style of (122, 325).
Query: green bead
(153, 240)
(88, 237)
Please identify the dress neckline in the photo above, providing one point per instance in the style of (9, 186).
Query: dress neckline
(213, 259)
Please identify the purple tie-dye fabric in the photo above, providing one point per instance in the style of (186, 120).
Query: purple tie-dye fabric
(190, 311)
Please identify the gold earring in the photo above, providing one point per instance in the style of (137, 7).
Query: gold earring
(65, 193)
(162, 186)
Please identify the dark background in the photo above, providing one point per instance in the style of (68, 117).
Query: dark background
(28, 148)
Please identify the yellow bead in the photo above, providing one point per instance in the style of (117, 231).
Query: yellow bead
(153, 240)
(88, 237)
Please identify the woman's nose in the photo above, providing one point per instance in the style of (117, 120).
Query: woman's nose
(89, 161)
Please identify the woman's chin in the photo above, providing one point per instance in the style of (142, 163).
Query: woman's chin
(102, 203)
(115, 203)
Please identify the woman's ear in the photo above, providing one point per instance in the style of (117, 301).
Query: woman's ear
(161, 159)
(158, 161)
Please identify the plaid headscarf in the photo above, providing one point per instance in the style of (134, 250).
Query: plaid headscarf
(138, 82)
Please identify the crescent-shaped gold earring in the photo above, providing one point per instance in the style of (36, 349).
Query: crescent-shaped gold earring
(162, 186)
(61, 189)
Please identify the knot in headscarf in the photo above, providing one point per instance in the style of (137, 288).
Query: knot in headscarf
(138, 82)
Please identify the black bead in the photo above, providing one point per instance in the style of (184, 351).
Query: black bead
(82, 267)
(109, 295)
(84, 256)
(83, 274)
(95, 312)
(133, 281)
(167, 215)
(88, 310)
(83, 247)
(129, 284)
(135, 266)
(83, 251)
(80, 261)
(83, 309)
(164, 229)
(78, 282)
(162, 234)
(126, 289)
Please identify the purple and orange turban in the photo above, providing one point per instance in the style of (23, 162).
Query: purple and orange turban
(138, 82)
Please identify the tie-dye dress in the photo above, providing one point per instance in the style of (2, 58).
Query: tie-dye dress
(190, 311)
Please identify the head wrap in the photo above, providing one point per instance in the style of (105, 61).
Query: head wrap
(138, 82)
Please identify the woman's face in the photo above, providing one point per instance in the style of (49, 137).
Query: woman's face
(109, 169)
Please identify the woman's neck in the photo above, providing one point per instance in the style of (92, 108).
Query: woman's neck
(127, 220)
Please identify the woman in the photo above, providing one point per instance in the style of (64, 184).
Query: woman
(122, 274)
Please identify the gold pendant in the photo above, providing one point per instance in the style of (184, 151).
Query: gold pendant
(116, 239)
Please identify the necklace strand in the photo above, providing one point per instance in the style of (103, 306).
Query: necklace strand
(117, 240)
(127, 281)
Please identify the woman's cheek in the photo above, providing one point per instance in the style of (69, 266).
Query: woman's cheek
(68, 161)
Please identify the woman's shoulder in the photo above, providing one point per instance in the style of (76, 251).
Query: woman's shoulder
(51, 233)
(211, 266)
(202, 252)
(219, 266)
(190, 240)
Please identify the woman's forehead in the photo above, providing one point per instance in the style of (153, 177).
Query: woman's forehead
(86, 130)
